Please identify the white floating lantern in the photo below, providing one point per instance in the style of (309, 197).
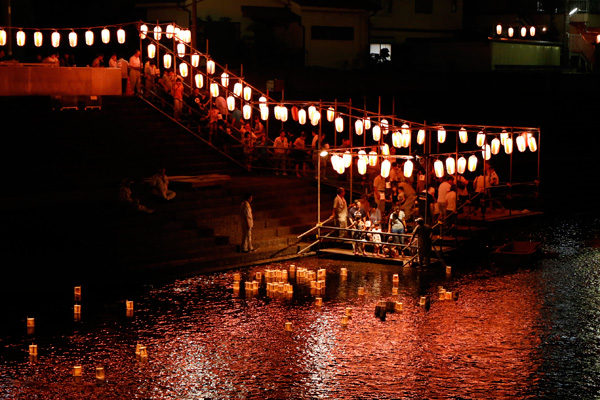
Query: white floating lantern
(339, 124)
(183, 70)
(531, 142)
(511, 31)
(316, 117)
(376, 133)
(358, 127)
(121, 36)
(302, 116)
(362, 166)
(214, 89)
(2, 37)
(169, 31)
(20, 38)
(480, 140)
(151, 50)
(438, 167)
(486, 153)
(408, 168)
(373, 158)
(38, 38)
(347, 159)
(210, 67)
(247, 93)
(180, 49)
(105, 35)
(247, 110)
(195, 59)
(461, 165)
(199, 79)
(224, 79)
(367, 123)
(495, 146)
(157, 32)
(421, 136)
(463, 135)
(385, 168)
(264, 113)
(231, 103)
(167, 60)
(89, 37)
(472, 165)
(450, 165)
(521, 143)
(441, 135)
(143, 31)
(55, 39)
(508, 146)
(498, 29)
(330, 114)
(237, 89)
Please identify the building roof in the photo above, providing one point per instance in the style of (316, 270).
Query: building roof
(367, 5)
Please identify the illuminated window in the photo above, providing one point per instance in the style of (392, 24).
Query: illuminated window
(381, 52)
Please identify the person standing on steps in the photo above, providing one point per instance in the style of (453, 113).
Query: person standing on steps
(247, 222)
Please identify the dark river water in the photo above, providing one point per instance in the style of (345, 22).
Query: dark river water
(531, 331)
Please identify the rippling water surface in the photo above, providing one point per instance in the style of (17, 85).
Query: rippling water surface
(527, 332)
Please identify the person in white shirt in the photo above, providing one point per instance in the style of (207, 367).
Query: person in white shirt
(281, 147)
(443, 190)
(135, 72)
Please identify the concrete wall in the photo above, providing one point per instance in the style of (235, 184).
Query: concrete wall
(524, 54)
(30, 80)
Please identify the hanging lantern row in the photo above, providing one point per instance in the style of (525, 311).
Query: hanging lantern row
(524, 31)
(343, 162)
(56, 37)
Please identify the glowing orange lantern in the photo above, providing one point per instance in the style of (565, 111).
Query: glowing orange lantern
(247, 110)
(315, 118)
(358, 127)
(311, 111)
(55, 39)
(237, 89)
(450, 165)
(195, 58)
(330, 114)
(408, 168)
(347, 159)
(105, 35)
(463, 136)
(503, 136)
(89, 38)
(151, 51)
(511, 32)
(523, 31)
(180, 49)
(441, 135)
(373, 158)
(396, 139)
(376, 133)
(283, 113)
(199, 79)
(362, 155)
(157, 32)
(339, 124)
(183, 70)
(224, 79)
(532, 31)
(302, 116)
(167, 60)
(508, 146)
(385, 168)
(121, 36)
(521, 143)
(143, 31)
(169, 31)
(362, 166)
(532, 144)
(73, 39)
(384, 126)
(21, 38)
(461, 165)
(264, 113)
(486, 153)
(385, 149)
(498, 29)
(406, 139)
(495, 146)
(480, 139)
(231, 103)
(472, 163)
(367, 123)
(210, 67)
(2, 37)
(247, 93)
(214, 89)
(38, 38)
(421, 136)
(438, 167)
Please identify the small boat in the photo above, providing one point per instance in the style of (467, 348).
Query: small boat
(517, 252)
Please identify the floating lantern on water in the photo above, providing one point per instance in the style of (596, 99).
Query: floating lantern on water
(77, 311)
(361, 291)
(100, 374)
(394, 290)
(448, 269)
(143, 353)
(399, 306)
(30, 322)
(349, 311)
(33, 350)
(318, 301)
(442, 294)
(344, 271)
(395, 278)
(236, 286)
(288, 327)
(344, 321)
(422, 300)
(129, 305)
(77, 371)
(448, 295)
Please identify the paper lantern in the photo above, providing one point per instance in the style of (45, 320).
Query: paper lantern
(405, 129)
(55, 39)
(283, 113)
(385, 150)
(421, 136)
(151, 51)
(373, 158)
(73, 39)
(480, 140)
(214, 89)
(523, 31)
(450, 165)
(302, 116)
(486, 152)
(532, 144)
(521, 143)
(508, 146)
(330, 114)
(397, 139)
(495, 146)
(89, 38)
(224, 79)
(183, 70)
(376, 133)
(180, 49)
(347, 159)
(472, 163)
(169, 31)
(362, 166)
(503, 136)
(231, 103)
(461, 165)
(311, 111)
(385, 128)
(358, 127)
(511, 32)
(532, 31)
(105, 35)
(167, 61)
(385, 168)
(264, 113)
(441, 135)
(339, 124)
(185, 35)
(21, 38)
(38, 38)
(143, 31)
(210, 67)
(121, 36)
(367, 123)
(438, 167)
(195, 58)
(157, 32)
(362, 155)
(247, 110)
(199, 79)
(177, 33)
(337, 162)
(237, 89)
(498, 29)
(277, 112)
(408, 168)
(463, 136)
(247, 93)
(405, 139)
(315, 118)
(2, 37)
